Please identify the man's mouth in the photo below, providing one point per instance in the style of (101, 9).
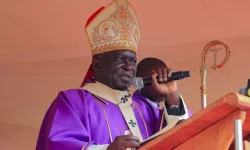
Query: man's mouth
(126, 77)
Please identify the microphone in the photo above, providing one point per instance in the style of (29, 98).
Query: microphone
(246, 90)
(140, 83)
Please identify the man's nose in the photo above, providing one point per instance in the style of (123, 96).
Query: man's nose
(127, 66)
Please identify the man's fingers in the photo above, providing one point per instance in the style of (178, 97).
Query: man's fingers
(129, 141)
(154, 81)
(154, 73)
(128, 138)
(159, 75)
(131, 144)
(164, 72)
(169, 70)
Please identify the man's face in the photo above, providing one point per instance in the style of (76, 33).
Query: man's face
(118, 68)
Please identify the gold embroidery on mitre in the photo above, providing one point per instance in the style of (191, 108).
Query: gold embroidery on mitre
(115, 27)
(113, 46)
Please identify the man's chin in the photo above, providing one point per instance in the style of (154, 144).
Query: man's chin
(123, 87)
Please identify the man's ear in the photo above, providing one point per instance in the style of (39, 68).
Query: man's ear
(96, 61)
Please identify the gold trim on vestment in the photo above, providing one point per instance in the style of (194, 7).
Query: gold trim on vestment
(85, 145)
(106, 118)
(99, 98)
(142, 119)
(162, 119)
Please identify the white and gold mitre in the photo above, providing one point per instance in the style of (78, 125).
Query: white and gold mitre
(114, 28)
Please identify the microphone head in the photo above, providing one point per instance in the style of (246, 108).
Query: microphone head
(186, 74)
(138, 83)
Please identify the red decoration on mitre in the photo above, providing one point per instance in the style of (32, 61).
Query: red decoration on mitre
(94, 15)
(90, 73)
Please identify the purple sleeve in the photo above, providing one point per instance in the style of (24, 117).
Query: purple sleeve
(63, 128)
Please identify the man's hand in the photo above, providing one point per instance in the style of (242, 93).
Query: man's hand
(123, 142)
(168, 90)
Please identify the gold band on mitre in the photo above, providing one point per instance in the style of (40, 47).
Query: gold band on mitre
(114, 28)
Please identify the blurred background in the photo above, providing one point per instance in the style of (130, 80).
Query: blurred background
(43, 49)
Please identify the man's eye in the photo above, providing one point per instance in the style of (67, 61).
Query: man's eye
(119, 59)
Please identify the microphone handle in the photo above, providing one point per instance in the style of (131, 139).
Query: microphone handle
(175, 76)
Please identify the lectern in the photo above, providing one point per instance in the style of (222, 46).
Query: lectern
(210, 129)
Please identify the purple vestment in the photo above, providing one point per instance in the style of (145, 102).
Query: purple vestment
(77, 119)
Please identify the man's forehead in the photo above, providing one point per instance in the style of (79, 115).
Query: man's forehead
(121, 52)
